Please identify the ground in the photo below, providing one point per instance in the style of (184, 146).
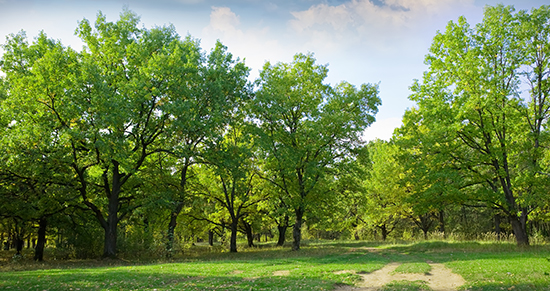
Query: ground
(439, 278)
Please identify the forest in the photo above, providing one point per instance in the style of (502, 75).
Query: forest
(142, 143)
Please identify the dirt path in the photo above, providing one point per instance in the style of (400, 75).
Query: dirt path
(439, 279)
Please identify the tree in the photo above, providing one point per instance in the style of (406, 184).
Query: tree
(385, 194)
(230, 179)
(205, 95)
(107, 108)
(36, 183)
(305, 127)
(471, 99)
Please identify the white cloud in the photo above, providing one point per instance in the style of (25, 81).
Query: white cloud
(363, 21)
(224, 20)
(256, 42)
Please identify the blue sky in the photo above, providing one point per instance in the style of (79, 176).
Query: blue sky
(362, 41)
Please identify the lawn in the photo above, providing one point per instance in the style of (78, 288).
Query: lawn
(318, 266)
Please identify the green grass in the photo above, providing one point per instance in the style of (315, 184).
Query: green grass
(313, 268)
(419, 268)
(406, 286)
(318, 266)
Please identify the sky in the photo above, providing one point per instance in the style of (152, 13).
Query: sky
(362, 41)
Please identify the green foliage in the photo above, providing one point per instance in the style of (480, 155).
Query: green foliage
(306, 127)
(472, 124)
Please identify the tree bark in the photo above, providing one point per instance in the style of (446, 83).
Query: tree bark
(519, 226)
(282, 227)
(19, 243)
(210, 238)
(175, 212)
(497, 225)
(233, 240)
(297, 229)
(282, 235)
(110, 244)
(384, 231)
(171, 228)
(249, 234)
(39, 249)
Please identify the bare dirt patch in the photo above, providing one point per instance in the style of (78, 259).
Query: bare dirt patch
(281, 273)
(440, 278)
(344, 272)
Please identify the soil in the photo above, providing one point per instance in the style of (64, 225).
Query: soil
(281, 273)
(440, 278)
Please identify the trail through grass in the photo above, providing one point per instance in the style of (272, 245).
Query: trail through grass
(319, 266)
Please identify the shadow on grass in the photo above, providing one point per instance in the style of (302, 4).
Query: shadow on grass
(312, 268)
(123, 280)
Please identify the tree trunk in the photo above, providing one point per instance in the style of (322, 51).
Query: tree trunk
(171, 228)
(39, 249)
(282, 235)
(297, 229)
(110, 244)
(19, 243)
(175, 213)
(442, 223)
(210, 238)
(355, 231)
(384, 231)
(249, 235)
(282, 231)
(520, 230)
(497, 225)
(233, 240)
(425, 230)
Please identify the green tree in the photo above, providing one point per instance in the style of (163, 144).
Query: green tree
(230, 179)
(306, 126)
(37, 183)
(471, 100)
(205, 95)
(385, 205)
(107, 108)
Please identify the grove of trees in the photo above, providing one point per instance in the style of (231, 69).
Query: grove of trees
(143, 142)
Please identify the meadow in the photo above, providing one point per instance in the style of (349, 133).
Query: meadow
(318, 266)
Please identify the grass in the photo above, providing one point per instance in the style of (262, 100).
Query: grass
(406, 286)
(314, 268)
(419, 268)
(318, 266)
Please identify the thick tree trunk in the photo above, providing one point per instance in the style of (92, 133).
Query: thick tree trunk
(519, 226)
(384, 231)
(282, 234)
(39, 249)
(233, 240)
(171, 228)
(110, 244)
(297, 229)
(282, 227)
(210, 238)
